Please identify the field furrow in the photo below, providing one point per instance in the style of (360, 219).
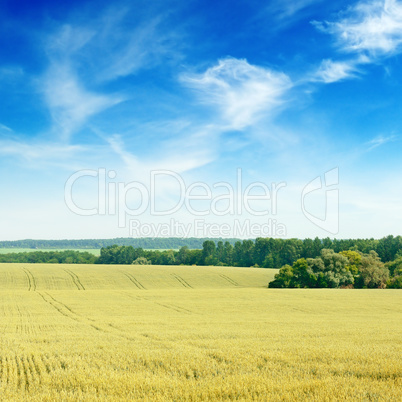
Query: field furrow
(63, 311)
(75, 279)
(33, 279)
(182, 281)
(133, 280)
(231, 281)
(29, 279)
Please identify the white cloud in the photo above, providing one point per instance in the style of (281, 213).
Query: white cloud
(370, 29)
(284, 9)
(11, 72)
(180, 154)
(5, 128)
(131, 161)
(380, 140)
(373, 27)
(333, 71)
(33, 151)
(241, 91)
(110, 49)
(101, 51)
(143, 48)
(69, 103)
(69, 40)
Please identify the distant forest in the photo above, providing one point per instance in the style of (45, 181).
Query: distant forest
(162, 243)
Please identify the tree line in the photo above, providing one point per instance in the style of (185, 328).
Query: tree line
(173, 243)
(50, 257)
(263, 252)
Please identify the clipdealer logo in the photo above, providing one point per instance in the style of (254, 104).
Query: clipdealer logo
(221, 198)
(197, 200)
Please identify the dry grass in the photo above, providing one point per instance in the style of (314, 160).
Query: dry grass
(186, 333)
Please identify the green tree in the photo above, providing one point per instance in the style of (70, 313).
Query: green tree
(168, 258)
(228, 254)
(220, 253)
(247, 253)
(283, 279)
(208, 252)
(291, 250)
(373, 272)
(331, 269)
(308, 250)
(141, 261)
(261, 250)
(183, 256)
(394, 266)
(317, 247)
(303, 274)
(354, 258)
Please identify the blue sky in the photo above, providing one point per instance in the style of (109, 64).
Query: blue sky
(285, 91)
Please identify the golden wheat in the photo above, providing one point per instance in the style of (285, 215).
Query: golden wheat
(81, 333)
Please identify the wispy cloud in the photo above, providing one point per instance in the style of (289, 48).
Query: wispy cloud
(130, 160)
(42, 151)
(11, 72)
(333, 71)
(69, 103)
(284, 9)
(68, 40)
(5, 128)
(82, 59)
(284, 13)
(180, 153)
(370, 30)
(380, 140)
(242, 92)
(144, 47)
(372, 27)
(112, 48)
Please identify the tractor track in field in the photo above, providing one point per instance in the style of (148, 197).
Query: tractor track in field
(135, 281)
(182, 281)
(173, 307)
(66, 311)
(31, 279)
(63, 305)
(230, 280)
(51, 301)
(75, 279)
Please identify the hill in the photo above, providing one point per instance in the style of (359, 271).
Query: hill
(129, 277)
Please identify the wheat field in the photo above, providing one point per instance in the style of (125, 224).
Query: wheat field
(83, 333)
